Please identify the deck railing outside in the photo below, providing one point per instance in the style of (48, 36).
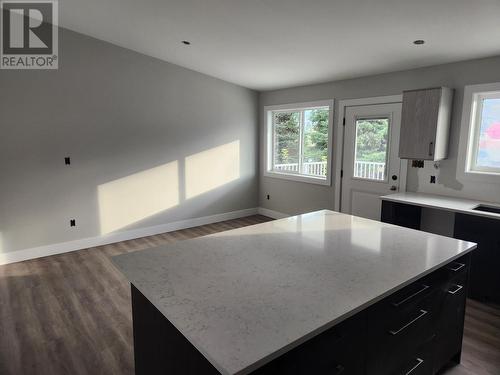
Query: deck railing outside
(312, 169)
(370, 170)
(362, 169)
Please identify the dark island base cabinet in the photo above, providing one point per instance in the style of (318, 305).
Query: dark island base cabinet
(416, 330)
(485, 264)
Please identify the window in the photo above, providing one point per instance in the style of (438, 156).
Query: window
(298, 141)
(482, 110)
(485, 151)
(370, 156)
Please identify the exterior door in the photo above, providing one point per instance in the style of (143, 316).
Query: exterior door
(371, 167)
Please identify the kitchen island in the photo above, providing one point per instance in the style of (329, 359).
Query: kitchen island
(322, 292)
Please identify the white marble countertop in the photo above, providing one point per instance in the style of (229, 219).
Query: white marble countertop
(442, 202)
(245, 296)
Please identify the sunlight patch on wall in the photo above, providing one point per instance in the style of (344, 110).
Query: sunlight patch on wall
(212, 168)
(133, 198)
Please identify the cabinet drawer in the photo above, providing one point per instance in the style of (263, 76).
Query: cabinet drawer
(456, 268)
(412, 295)
(397, 308)
(399, 337)
(419, 363)
(402, 323)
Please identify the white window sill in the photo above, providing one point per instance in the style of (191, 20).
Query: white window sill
(300, 178)
(480, 176)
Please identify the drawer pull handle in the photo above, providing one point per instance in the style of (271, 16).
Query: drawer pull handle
(458, 288)
(419, 362)
(458, 267)
(421, 315)
(424, 288)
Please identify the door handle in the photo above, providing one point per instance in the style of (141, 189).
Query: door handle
(394, 188)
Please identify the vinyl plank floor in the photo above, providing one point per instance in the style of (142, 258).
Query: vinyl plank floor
(71, 313)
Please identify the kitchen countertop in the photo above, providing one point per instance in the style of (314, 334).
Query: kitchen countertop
(442, 202)
(245, 296)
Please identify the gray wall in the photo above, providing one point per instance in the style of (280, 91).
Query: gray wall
(116, 113)
(295, 197)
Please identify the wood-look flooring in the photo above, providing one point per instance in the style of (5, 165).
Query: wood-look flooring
(71, 314)
(481, 343)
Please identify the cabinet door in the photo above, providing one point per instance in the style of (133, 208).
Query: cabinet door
(451, 320)
(419, 124)
(485, 263)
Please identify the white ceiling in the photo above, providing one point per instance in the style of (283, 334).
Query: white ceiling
(269, 44)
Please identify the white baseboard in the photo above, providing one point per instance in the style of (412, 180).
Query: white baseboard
(64, 247)
(272, 214)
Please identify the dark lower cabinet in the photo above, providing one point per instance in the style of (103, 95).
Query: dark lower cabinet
(484, 284)
(485, 268)
(416, 330)
(404, 215)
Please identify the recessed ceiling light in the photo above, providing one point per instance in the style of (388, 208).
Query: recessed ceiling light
(419, 42)
(186, 42)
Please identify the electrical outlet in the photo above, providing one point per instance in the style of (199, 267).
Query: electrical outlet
(433, 179)
(268, 197)
(72, 223)
(67, 160)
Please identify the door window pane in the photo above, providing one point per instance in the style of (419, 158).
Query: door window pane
(488, 147)
(370, 159)
(286, 141)
(315, 147)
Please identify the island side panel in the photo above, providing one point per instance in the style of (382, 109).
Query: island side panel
(159, 348)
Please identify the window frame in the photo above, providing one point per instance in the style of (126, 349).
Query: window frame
(269, 141)
(469, 133)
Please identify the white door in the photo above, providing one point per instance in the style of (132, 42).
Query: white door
(371, 167)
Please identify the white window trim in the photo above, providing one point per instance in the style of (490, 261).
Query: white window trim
(269, 143)
(468, 131)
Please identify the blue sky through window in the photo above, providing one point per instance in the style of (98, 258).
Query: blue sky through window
(488, 151)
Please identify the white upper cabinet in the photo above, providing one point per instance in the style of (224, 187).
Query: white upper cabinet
(425, 124)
